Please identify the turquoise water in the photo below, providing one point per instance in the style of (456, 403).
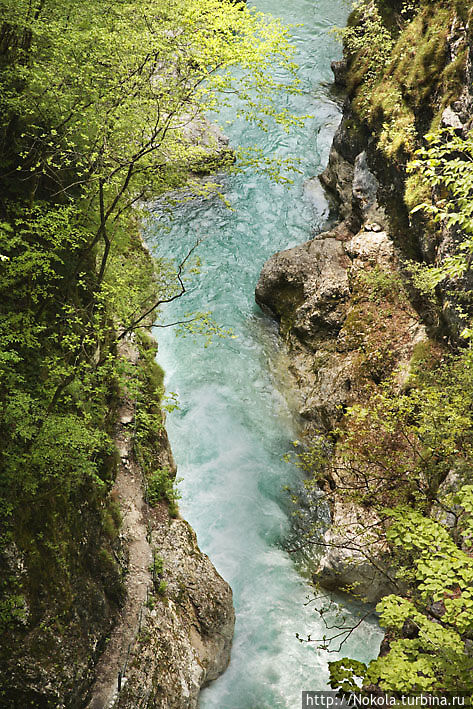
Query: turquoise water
(235, 424)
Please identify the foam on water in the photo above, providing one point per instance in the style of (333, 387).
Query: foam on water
(234, 425)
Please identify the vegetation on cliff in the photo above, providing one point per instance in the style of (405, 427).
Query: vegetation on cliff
(403, 453)
(96, 103)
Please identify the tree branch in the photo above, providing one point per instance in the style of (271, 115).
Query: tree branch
(140, 319)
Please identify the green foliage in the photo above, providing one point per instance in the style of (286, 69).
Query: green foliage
(97, 103)
(150, 603)
(161, 588)
(346, 674)
(398, 451)
(374, 328)
(367, 40)
(400, 74)
(112, 519)
(430, 631)
(161, 486)
(157, 566)
(446, 165)
(13, 610)
(106, 96)
(377, 284)
(406, 449)
(156, 570)
(145, 386)
(204, 325)
(405, 443)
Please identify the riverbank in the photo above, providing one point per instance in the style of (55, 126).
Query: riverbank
(175, 630)
(89, 133)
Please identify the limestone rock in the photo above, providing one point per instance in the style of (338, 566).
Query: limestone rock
(309, 290)
(450, 119)
(212, 142)
(187, 636)
(305, 287)
(365, 191)
(347, 564)
(337, 178)
(317, 197)
(373, 247)
(174, 633)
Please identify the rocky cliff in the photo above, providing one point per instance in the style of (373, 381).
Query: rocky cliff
(348, 323)
(174, 633)
(351, 319)
(147, 620)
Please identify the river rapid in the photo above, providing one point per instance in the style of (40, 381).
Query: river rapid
(234, 423)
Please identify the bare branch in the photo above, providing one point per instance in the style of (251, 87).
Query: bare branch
(136, 322)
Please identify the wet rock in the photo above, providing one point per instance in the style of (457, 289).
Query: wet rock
(351, 137)
(309, 290)
(365, 185)
(339, 69)
(212, 142)
(338, 177)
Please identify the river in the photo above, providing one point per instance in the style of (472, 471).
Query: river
(234, 423)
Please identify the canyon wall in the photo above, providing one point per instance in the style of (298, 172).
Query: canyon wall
(350, 317)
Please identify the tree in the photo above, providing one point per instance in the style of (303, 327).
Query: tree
(96, 103)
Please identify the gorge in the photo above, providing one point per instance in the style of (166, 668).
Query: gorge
(234, 426)
(326, 438)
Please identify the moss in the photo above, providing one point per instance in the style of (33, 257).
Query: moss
(453, 81)
(161, 486)
(146, 341)
(417, 191)
(112, 520)
(464, 10)
(420, 54)
(376, 327)
(150, 435)
(358, 71)
(426, 357)
(412, 87)
(379, 285)
(152, 374)
(111, 576)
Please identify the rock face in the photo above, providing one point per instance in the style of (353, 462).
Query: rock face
(211, 145)
(306, 287)
(174, 633)
(310, 289)
(185, 639)
(344, 567)
(339, 69)
(329, 305)
(347, 322)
